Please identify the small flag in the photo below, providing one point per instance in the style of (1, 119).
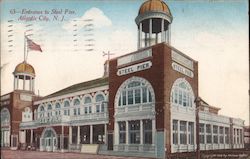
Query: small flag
(32, 45)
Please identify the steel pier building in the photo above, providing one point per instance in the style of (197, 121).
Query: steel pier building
(143, 105)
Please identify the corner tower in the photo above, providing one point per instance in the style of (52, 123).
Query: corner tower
(24, 77)
(153, 22)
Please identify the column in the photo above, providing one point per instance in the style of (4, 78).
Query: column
(141, 132)
(169, 34)
(62, 139)
(105, 133)
(70, 135)
(178, 129)
(153, 131)
(33, 85)
(17, 82)
(187, 133)
(78, 134)
(91, 134)
(14, 82)
(140, 38)
(162, 30)
(150, 32)
(127, 133)
(31, 136)
(24, 79)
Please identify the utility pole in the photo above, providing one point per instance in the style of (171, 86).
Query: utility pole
(197, 103)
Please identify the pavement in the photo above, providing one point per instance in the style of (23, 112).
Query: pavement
(18, 154)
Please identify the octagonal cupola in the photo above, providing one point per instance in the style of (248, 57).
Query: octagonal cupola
(153, 22)
(24, 77)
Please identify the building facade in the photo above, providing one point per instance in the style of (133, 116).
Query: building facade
(144, 103)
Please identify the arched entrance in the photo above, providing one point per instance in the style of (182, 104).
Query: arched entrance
(48, 140)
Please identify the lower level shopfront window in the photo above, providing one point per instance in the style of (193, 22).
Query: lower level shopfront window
(134, 132)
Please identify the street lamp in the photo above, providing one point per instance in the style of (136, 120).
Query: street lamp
(197, 103)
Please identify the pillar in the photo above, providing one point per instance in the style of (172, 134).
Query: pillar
(162, 30)
(178, 130)
(153, 131)
(62, 139)
(105, 133)
(17, 82)
(31, 136)
(91, 134)
(24, 77)
(78, 134)
(150, 31)
(141, 132)
(127, 141)
(70, 135)
(187, 133)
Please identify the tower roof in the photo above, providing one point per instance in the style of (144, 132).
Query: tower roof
(154, 5)
(24, 67)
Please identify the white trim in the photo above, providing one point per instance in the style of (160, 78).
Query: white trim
(87, 91)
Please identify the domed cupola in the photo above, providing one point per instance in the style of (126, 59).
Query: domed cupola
(24, 77)
(153, 21)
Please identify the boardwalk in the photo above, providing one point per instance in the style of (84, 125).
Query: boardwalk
(9, 154)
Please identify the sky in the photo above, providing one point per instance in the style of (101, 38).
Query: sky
(74, 34)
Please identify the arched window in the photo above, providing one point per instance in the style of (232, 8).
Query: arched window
(182, 93)
(5, 117)
(134, 92)
(99, 103)
(58, 107)
(87, 105)
(41, 111)
(87, 100)
(66, 108)
(49, 110)
(77, 110)
(76, 102)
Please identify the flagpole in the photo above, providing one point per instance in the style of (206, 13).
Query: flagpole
(24, 47)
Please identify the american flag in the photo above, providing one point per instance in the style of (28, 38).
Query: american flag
(33, 46)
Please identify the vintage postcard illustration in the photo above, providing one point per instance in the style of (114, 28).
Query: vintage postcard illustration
(124, 78)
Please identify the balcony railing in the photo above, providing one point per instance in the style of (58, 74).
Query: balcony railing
(63, 119)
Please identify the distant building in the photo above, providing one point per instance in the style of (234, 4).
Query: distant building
(143, 105)
(247, 137)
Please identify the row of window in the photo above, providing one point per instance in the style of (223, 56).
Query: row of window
(183, 132)
(99, 108)
(218, 134)
(134, 132)
(182, 95)
(134, 93)
(76, 102)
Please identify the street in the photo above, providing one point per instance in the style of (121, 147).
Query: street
(9, 154)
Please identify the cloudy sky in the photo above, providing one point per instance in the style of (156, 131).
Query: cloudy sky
(73, 35)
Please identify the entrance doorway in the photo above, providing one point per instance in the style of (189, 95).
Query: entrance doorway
(49, 140)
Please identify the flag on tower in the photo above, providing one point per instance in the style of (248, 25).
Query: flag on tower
(32, 45)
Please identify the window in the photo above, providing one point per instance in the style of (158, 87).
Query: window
(175, 132)
(202, 131)
(99, 103)
(183, 129)
(209, 135)
(76, 102)
(238, 136)
(215, 134)
(66, 108)
(221, 131)
(58, 106)
(49, 110)
(226, 135)
(134, 132)
(182, 93)
(134, 92)
(5, 117)
(122, 132)
(147, 131)
(190, 133)
(87, 100)
(137, 96)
